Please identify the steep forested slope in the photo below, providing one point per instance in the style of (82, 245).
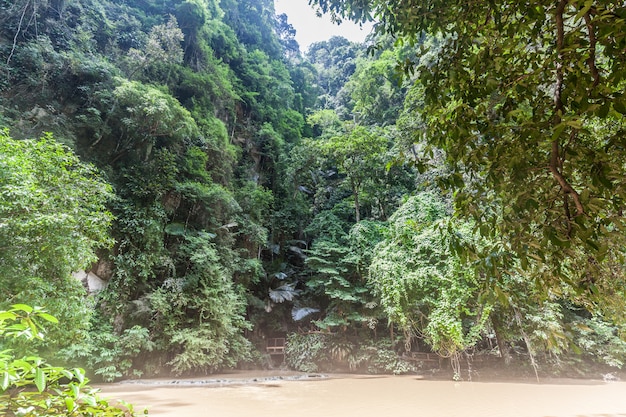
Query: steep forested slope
(187, 108)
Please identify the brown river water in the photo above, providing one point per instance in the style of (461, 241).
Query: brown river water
(372, 396)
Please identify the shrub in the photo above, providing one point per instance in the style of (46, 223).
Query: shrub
(30, 387)
(380, 358)
(306, 352)
(322, 352)
(112, 356)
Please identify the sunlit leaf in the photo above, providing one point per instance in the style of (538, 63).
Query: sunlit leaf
(48, 317)
(40, 379)
(22, 307)
(4, 380)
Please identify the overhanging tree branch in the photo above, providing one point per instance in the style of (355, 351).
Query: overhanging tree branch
(591, 61)
(555, 158)
(17, 32)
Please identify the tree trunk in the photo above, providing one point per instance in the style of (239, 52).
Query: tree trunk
(357, 209)
(502, 347)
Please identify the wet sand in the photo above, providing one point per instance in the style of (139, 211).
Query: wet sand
(292, 394)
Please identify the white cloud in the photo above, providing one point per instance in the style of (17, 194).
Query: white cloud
(310, 28)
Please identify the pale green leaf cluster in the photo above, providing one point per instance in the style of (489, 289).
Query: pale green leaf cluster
(31, 387)
(423, 286)
(52, 209)
(53, 217)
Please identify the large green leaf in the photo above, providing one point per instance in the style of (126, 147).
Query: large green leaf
(40, 379)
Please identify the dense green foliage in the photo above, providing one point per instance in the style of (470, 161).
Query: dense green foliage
(54, 217)
(414, 263)
(228, 189)
(30, 387)
(531, 131)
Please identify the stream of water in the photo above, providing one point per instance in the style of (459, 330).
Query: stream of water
(385, 396)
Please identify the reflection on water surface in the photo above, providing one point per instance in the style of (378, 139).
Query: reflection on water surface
(388, 396)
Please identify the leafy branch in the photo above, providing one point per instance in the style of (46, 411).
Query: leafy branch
(31, 387)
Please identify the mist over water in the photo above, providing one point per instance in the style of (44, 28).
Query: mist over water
(384, 396)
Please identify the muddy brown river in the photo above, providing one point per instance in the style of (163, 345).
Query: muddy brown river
(371, 396)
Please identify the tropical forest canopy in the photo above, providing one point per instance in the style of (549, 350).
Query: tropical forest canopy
(455, 185)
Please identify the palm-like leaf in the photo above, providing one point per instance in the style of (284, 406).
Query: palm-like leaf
(298, 314)
(286, 292)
